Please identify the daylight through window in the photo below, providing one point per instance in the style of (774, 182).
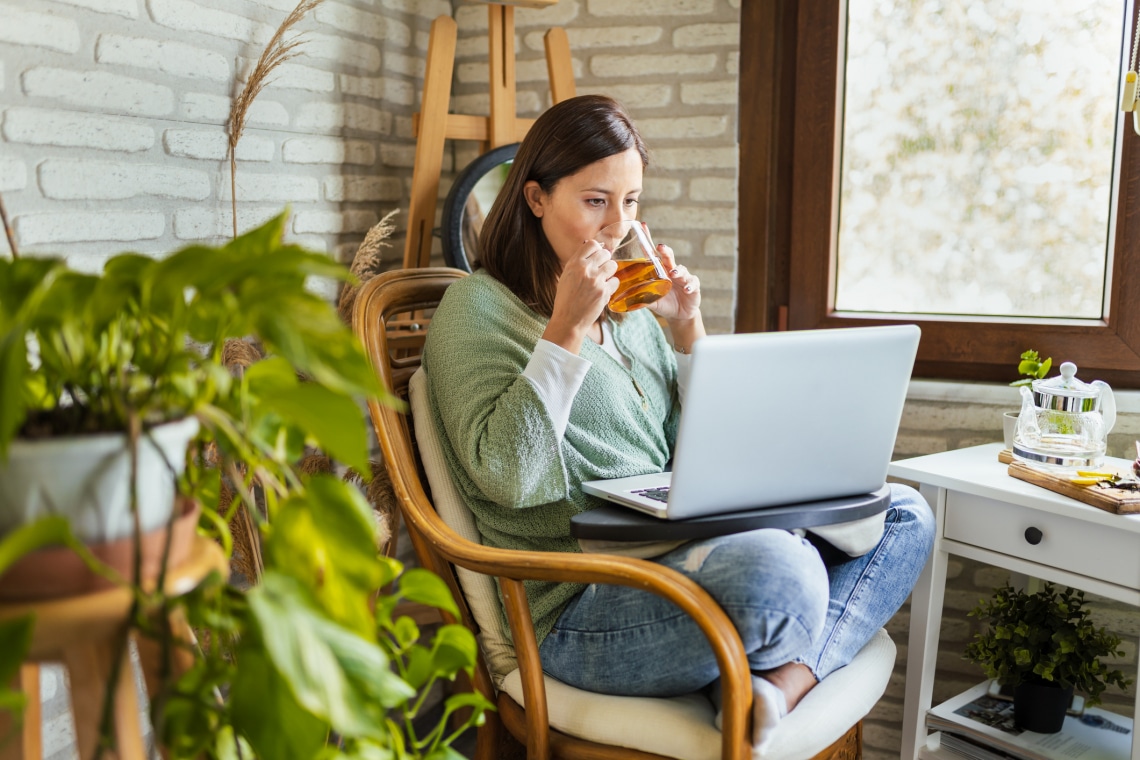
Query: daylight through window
(977, 158)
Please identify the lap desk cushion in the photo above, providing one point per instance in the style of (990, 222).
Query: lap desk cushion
(680, 727)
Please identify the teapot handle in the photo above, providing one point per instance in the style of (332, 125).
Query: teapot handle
(1107, 405)
(1027, 427)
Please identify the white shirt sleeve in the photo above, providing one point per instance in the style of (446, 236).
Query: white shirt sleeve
(556, 375)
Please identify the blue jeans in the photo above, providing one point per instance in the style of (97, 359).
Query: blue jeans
(788, 600)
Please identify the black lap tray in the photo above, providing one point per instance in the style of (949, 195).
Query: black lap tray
(618, 523)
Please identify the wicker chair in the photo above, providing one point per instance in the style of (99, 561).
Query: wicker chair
(559, 720)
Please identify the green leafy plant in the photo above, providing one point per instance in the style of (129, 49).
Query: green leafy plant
(1044, 637)
(313, 660)
(1032, 367)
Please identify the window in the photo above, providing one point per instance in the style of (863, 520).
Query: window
(960, 176)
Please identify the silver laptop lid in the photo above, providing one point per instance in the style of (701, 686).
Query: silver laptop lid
(787, 417)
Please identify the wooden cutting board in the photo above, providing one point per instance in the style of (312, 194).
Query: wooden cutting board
(1118, 501)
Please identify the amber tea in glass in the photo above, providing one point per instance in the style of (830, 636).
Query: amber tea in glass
(641, 276)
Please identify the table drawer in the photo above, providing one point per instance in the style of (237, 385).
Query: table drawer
(1065, 542)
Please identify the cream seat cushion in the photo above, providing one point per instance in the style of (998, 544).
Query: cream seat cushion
(682, 727)
(679, 727)
(479, 590)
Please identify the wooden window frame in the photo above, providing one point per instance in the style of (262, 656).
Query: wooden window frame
(787, 217)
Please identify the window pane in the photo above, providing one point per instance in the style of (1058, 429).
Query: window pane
(977, 156)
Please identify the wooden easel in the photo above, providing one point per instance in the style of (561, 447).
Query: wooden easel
(433, 124)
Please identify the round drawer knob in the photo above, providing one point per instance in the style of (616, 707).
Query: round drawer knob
(1034, 535)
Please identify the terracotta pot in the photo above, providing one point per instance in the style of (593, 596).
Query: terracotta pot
(58, 571)
(1041, 707)
(86, 478)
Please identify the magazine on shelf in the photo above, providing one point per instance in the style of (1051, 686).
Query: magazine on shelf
(939, 745)
(960, 746)
(977, 716)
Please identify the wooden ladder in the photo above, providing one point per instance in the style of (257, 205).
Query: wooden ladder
(434, 124)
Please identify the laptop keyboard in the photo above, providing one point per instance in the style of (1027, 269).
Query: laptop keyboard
(657, 494)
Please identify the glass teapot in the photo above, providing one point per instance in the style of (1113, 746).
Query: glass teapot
(1064, 422)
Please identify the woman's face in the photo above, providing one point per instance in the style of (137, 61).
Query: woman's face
(604, 192)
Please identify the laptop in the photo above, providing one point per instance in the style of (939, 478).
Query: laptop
(780, 418)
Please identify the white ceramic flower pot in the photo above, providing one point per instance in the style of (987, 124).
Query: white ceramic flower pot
(1008, 427)
(87, 480)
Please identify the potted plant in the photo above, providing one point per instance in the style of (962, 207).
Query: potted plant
(1044, 645)
(113, 362)
(1031, 367)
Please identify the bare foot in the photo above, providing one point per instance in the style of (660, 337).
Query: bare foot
(794, 679)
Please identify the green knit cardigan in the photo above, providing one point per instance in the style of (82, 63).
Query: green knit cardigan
(519, 480)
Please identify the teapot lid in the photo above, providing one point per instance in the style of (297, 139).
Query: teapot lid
(1065, 392)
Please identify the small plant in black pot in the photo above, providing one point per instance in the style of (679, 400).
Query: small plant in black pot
(1044, 645)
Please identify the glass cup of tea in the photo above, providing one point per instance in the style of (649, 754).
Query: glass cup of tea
(640, 273)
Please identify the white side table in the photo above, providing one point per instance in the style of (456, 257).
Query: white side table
(986, 515)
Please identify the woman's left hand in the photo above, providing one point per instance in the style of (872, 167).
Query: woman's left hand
(683, 301)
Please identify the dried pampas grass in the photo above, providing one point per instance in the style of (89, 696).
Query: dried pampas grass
(382, 496)
(316, 463)
(366, 263)
(238, 355)
(277, 52)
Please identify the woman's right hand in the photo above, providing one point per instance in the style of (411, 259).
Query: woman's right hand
(584, 288)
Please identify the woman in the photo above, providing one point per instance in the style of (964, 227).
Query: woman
(536, 387)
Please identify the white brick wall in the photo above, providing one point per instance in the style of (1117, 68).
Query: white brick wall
(276, 187)
(73, 227)
(326, 222)
(13, 174)
(114, 113)
(162, 55)
(328, 150)
(42, 126)
(214, 145)
(46, 30)
(340, 51)
(189, 16)
(359, 189)
(99, 90)
(292, 76)
(651, 8)
(373, 25)
(124, 8)
(102, 180)
(201, 223)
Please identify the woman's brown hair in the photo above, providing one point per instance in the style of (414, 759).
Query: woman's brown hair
(564, 140)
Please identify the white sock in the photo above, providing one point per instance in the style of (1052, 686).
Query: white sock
(768, 706)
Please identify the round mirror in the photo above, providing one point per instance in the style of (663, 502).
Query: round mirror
(469, 201)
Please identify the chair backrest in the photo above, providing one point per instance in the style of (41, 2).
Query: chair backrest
(478, 589)
(390, 315)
